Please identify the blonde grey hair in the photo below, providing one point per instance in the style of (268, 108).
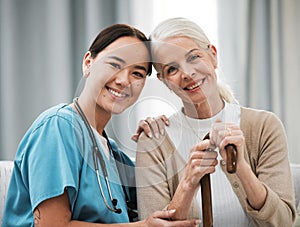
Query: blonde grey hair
(182, 27)
(179, 26)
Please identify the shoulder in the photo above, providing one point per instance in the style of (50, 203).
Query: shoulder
(57, 116)
(61, 111)
(254, 118)
(152, 151)
(261, 123)
(150, 144)
(263, 130)
(246, 111)
(54, 126)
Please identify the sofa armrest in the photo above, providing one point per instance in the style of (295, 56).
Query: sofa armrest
(5, 174)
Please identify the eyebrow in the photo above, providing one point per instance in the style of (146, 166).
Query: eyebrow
(124, 62)
(140, 67)
(117, 59)
(192, 50)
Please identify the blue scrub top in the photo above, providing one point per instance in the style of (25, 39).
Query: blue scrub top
(56, 154)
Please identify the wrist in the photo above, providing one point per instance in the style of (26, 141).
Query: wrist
(141, 223)
(188, 186)
(242, 168)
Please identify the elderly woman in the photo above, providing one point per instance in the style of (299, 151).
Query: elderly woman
(169, 169)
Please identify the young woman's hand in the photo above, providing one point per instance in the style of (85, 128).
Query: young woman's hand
(163, 218)
(151, 126)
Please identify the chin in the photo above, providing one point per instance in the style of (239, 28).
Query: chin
(118, 109)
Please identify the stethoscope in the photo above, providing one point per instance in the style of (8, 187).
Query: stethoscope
(97, 155)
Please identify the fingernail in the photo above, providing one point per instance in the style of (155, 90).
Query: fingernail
(172, 211)
(157, 135)
(197, 223)
(162, 132)
(150, 135)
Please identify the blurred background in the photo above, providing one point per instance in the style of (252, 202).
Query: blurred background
(42, 43)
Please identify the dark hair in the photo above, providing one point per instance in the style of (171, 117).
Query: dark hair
(112, 33)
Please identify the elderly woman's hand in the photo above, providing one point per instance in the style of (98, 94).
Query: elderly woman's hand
(222, 134)
(199, 164)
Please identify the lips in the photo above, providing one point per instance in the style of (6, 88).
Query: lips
(117, 93)
(194, 85)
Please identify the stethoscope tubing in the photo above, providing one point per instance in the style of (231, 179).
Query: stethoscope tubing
(96, 155)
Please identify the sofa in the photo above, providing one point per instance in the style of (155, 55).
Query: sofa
(5, 173)
(6, 170)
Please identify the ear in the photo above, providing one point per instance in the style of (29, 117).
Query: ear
(213, 50)
(86, 63)
(158, 75)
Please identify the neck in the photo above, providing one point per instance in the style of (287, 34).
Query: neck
(204, 110)
(97, 117)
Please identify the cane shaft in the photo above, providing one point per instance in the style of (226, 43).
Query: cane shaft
(207, 217)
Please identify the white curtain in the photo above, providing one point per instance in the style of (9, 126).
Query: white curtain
(258, 49)
(42, 44)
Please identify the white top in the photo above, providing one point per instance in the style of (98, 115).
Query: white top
(185, 132)
(102, 141)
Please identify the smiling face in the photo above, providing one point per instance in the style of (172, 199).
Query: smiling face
(117, 74)
(186, 68)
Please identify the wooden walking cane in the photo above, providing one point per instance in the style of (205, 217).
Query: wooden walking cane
(206, 188)
(207, 217)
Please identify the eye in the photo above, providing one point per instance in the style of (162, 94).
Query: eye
(171, 70)
(193, 57)
(115, 65)
(138, 74)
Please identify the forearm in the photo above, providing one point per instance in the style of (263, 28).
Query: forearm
(266, 152)
(255, 190)
(87, 224)
(182, 200)
(56, 212)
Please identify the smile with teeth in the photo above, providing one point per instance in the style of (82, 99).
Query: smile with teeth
(117, 94)
(195, 85)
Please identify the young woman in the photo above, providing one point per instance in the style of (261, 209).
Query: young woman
(169, 169)
(66, 171)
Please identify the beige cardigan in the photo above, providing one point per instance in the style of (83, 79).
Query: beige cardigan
(159, 169)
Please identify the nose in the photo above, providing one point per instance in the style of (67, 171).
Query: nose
(187, 72)
(123, 78)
